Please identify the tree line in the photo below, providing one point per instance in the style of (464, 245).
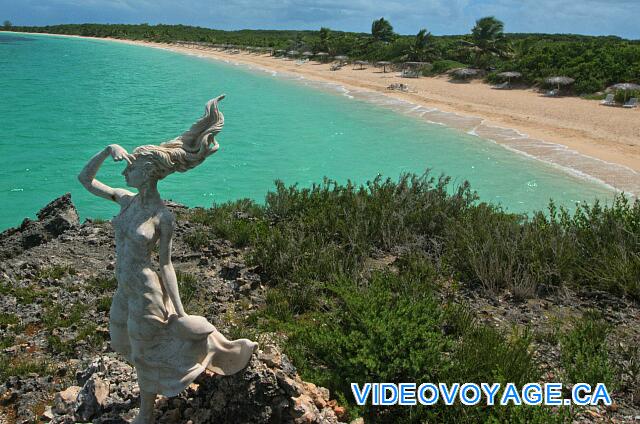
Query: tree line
(594, 62)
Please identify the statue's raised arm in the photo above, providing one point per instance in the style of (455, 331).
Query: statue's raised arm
(87, 176)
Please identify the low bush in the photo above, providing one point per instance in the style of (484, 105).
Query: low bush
(346, 321)
(8, 319)
(187, 286)
(100, 284)
(24, 295)
(622, 96)
(231, 221)
(21, 366)
(55, 272)
(584, 353)
(442, 66)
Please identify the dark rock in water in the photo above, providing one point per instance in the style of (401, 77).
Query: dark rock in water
(53, 220)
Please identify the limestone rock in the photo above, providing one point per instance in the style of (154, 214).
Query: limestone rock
(53, 220)
(92, 398)
(267, 391)
(64, 401)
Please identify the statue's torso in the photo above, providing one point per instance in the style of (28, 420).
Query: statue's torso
(136, 234)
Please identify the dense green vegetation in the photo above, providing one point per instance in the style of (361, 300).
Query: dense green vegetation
(585, 356)
(595, 247)
(594, 62)
(362, 283)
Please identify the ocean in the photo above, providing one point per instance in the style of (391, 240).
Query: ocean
(65, 99)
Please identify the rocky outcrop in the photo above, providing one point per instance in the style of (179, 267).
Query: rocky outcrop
(56, 284)
(53, 220)
(267, 391)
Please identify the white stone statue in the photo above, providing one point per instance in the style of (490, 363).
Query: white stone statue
(148, 324)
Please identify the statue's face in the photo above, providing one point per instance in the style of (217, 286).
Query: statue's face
(135, 174)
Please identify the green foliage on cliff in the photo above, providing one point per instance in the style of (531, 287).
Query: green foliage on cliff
(594, 62)
(585, 356)
(363, 283)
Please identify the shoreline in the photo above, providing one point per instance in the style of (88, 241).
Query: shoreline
(580, 136)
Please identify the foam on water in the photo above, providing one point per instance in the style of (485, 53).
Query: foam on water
(618, 177)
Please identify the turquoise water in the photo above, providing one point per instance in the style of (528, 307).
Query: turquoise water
(64, 99)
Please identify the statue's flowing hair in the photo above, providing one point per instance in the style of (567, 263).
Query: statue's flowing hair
(187, 150)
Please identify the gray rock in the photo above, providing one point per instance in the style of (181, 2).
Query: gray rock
(53, 220)
(267, 391)
(64, 401)
(92, 398)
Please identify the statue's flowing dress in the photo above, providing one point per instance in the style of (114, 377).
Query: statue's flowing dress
(166, 360)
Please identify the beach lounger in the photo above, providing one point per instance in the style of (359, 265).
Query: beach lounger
(609, 100)
(336, 67)
(504, 86)
(409, 73)
(398, 87)
(633, 102)
(552, 93)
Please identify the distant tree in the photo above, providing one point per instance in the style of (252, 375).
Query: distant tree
(382, 30)
(488, 40)
(325, 38)
(7, 24)
(422, 48)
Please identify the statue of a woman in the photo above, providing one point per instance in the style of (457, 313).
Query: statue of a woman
(148, 324)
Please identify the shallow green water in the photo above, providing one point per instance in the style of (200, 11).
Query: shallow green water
(64, 99)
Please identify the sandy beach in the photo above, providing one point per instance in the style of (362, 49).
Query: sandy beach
(606, 138)
(608, 133)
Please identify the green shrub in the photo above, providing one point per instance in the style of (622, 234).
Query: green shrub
(55, 272)
(8, 319)
(393, 329)
(87, 333)
(584, 353)
(443, 66)
(197, 239)
(7, 341)
(346, 322)
(608, 246)
(23, 295)
(234, 221)
(303, 235)
(104, 304)
(101, 284)
(622, 96)
(594, 96)
(331, 229)
(59, 347)
(187, 286)
(90, 335)
(56, 316)
(21, 366)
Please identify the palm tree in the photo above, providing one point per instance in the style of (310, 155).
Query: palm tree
(325, 37)
(422, 47)
(382, 30)
(7, 24)
(488, 40)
